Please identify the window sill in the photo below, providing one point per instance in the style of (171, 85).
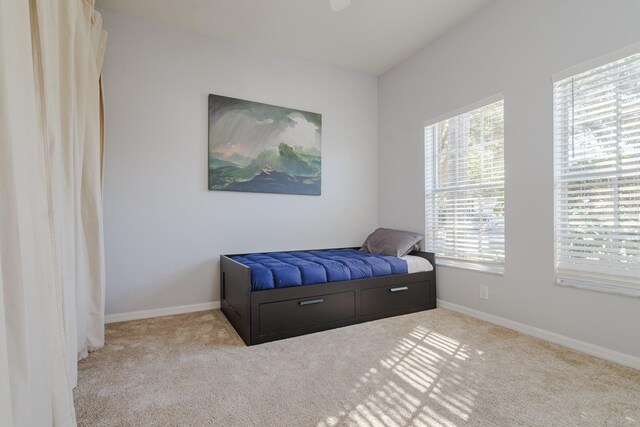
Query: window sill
(497, 269)
(627, 290)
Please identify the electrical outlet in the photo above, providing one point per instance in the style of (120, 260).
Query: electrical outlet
(484, 292)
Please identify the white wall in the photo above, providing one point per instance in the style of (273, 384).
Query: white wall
(164, 231)
(513, 47)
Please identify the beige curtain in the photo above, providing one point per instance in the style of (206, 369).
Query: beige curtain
(51, 243)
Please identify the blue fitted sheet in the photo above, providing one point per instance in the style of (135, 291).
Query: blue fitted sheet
(285, 269)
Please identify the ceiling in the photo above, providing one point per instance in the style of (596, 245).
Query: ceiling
(370, 36)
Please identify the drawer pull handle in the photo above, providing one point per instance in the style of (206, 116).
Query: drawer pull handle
(399, 289)
(312, 301)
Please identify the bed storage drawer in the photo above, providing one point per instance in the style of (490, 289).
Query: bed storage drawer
(391, 298)
(302, 313)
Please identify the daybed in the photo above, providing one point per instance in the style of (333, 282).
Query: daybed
(291, 299)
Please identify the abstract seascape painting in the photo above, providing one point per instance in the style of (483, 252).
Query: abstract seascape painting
(263, 148)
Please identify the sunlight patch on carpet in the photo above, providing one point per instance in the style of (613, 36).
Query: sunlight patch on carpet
(421, 381)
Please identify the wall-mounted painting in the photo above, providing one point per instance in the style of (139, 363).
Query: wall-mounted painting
(263, 148)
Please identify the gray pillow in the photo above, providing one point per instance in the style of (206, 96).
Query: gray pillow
(386, 241)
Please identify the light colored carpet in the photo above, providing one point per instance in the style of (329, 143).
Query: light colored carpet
(434, 368)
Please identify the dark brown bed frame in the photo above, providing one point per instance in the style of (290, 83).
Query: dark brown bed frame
(273, 314)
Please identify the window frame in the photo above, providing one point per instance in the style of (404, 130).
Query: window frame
(466, 264)
(591, 281)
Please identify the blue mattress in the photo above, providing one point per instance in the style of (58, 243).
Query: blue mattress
(285, 269)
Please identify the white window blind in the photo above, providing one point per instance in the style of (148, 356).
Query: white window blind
(464, 189)
(597, 177)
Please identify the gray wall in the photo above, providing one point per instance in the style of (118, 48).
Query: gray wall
(164, 231)
(512, 47)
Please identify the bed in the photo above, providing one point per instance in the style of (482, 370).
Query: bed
(275, 295)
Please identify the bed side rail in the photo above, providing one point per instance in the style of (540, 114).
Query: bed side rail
(235, 289)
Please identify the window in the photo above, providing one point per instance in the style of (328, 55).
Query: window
(464, 188)
(597, 177)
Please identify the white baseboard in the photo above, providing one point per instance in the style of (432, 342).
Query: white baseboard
(584, 347)
(158, 312)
